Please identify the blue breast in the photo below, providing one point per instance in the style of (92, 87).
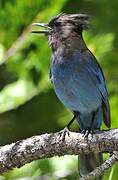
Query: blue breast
(73, 85)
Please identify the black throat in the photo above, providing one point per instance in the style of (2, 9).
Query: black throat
(68, 43)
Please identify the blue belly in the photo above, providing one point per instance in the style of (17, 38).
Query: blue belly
(75, 90)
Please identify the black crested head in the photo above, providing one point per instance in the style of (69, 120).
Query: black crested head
(79, 22)
(65, 29)
(63, 22)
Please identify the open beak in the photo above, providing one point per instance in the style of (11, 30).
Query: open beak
(44, 25)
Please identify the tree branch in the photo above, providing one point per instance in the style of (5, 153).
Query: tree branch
(100, 170)
(49, 145)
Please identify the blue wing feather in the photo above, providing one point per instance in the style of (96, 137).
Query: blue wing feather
(97, 77)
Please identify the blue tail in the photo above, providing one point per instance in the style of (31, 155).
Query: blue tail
(88, 162)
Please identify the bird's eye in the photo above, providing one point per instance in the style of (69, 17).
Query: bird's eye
(54, 24)
(57, 23)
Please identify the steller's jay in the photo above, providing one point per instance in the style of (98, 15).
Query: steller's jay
(77, 78)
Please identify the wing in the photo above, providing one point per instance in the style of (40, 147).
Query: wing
(95, 72)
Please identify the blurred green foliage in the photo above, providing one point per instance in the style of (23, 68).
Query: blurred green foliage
(27, 100)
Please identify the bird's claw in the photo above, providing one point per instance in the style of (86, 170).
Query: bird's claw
(63, 133)
(87, 132)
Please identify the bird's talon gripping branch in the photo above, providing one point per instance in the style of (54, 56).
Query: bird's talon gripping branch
(86, 133)
(63, 133)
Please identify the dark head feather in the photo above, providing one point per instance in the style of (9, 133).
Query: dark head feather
(80, 21)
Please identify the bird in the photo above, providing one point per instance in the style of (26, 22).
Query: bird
(77, 79)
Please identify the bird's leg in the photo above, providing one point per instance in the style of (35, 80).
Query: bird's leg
(91, 129)
(92, 123)
(76, 114)
(65, 131)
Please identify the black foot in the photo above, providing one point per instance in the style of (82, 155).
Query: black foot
(86, 133)
(63, 133)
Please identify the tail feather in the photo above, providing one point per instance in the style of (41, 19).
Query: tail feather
(88, 162)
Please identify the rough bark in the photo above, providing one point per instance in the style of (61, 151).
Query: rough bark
(49, 145)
